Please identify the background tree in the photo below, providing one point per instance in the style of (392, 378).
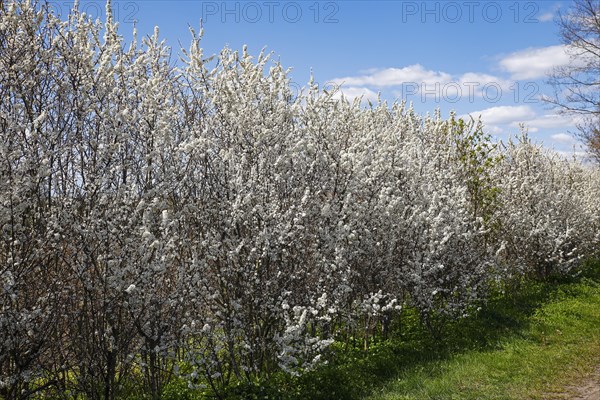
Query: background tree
(576, 85)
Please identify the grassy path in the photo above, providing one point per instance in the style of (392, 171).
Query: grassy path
(586, 389)
(548, 356)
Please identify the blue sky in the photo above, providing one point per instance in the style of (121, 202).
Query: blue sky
(483, 58)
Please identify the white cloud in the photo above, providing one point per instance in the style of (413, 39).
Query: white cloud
(396, 77)
(414, 81)
(573, 153)
(494, 130)
(352, 92)
(563, 138)
(474, 84)
(546, 17)
(496, 118)
(504, 115)
(550, 121)
(549, 15)
(483, 79)
(535, 63)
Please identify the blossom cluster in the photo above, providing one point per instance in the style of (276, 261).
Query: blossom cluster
(198, 219)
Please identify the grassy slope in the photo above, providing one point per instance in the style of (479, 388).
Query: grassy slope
(551, 348)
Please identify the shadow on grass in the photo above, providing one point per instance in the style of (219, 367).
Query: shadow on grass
(410, 350)
(356, 373)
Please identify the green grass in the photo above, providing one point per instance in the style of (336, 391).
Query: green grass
(543, 351)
